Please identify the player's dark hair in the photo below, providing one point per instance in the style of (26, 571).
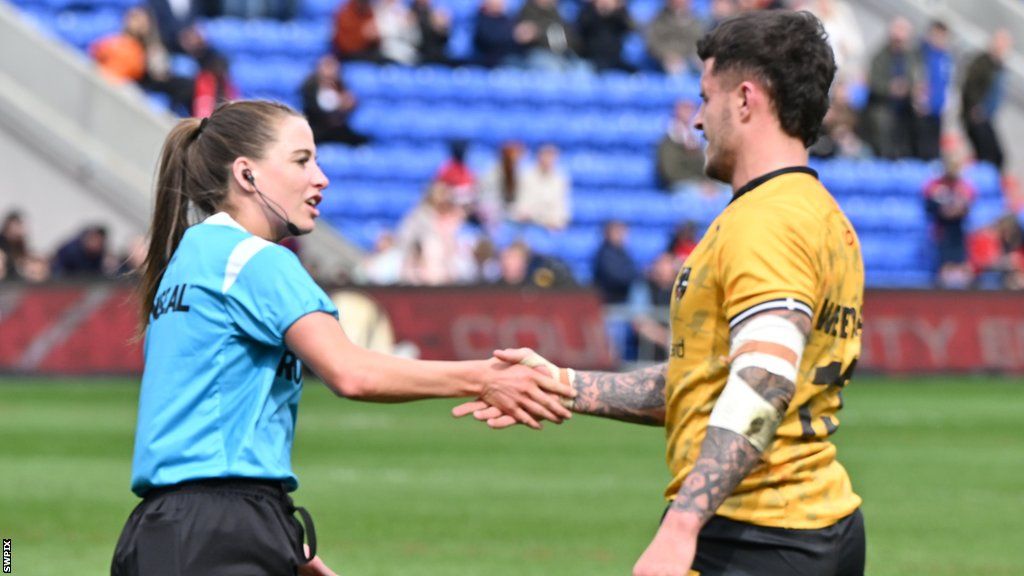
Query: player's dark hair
(193, 173)
(788, 54)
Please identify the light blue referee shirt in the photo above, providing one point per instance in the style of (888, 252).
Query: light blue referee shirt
(220, 391)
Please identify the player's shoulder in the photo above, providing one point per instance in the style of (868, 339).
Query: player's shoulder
(793, 197)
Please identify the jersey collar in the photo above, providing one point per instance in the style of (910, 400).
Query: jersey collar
(766, 177)
(224, 219)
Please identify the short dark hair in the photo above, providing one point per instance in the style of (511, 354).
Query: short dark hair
(788, 53)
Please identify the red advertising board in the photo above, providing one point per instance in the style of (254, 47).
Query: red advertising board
(931, 331)
(89, 329)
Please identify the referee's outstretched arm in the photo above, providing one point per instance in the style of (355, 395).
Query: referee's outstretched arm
(361, 374)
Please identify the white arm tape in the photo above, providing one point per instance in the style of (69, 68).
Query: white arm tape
(743, 411)
(770, 328)
(740, 408)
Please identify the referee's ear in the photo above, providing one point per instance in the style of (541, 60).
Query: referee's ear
(243, 175)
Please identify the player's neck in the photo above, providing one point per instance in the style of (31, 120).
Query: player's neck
(763, 155)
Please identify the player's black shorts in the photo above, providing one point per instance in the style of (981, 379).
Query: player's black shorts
(729, 548)
(224, 527)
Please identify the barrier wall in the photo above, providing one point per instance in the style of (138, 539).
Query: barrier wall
(89, 328)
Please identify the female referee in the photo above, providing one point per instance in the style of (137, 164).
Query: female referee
(230, 317)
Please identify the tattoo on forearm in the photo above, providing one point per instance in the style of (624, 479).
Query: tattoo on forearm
(637, 396)
(725, 459)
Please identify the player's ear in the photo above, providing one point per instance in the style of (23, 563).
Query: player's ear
(747, 94)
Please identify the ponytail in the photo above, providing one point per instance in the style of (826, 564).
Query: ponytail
(170, 212)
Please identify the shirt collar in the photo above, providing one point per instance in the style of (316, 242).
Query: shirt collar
(766, 177)
(224, 219)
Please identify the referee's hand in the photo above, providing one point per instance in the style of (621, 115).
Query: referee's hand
(315, 567)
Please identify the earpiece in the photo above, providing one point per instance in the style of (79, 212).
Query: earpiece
(276, 208)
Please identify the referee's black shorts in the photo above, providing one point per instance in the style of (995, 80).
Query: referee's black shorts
(729, 548)
(224, 527)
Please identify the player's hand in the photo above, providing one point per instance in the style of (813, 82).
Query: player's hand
(671, 552)
(494, 416)
(524, 394)
(315, 567)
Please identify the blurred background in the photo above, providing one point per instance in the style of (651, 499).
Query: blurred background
(506, 173)
(512, 144)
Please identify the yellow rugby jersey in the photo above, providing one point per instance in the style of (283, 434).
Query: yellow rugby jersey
(782, 243)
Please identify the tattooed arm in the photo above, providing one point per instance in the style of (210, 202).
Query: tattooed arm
(725, 459)
(637, 396)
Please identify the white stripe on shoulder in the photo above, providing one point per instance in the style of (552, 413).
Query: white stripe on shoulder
(240, 256)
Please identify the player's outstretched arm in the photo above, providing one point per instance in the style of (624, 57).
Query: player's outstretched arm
(637, 396)
(766, 351)
(525, 394)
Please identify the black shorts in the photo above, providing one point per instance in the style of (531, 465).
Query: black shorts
(221, 527)
(729, 548)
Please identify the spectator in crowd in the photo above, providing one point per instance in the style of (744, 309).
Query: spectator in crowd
(839, 137)
(997, 250)
(672, 38)
(173, 18)
(456, 174)
(549, 41)
(213, 85)
(680, 154)
(514, 262)
(543, 196)
(121, 56)
(85, 255)
(383, 266)
(356, 34)
(13, 244)
(614, 269)
(844, 35)
(982, 93)
(328, 104)
(136, 54)
(499, 188)
(488, 264)
(895, 72)
(683, 241)
(434, 30)
(494, 36)
(399, 31)
(937, 70)
(948, 200)
(429, 239)
(652, 296)
(603, 26)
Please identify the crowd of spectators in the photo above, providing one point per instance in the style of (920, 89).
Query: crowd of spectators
(894, 100)
(84, 255)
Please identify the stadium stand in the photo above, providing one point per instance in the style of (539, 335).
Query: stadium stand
(607, 126)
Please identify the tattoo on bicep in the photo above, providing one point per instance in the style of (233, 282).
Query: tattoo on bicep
(725, 459)
(637, 396)
(778, 391)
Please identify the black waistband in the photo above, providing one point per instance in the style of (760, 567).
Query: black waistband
(251, 486)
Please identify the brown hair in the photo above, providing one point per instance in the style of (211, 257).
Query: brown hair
(193, 174)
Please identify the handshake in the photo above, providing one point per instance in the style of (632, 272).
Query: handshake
(547, 395)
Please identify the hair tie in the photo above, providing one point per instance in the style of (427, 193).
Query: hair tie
(202, 126)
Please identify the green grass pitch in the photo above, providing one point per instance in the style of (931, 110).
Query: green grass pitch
(404, 489)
